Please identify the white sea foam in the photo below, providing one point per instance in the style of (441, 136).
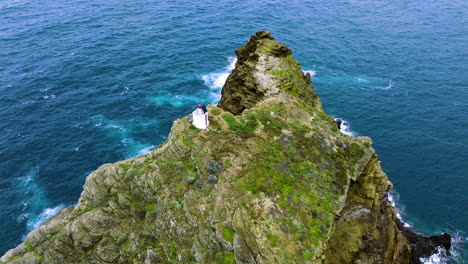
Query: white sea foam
(389, 86)
(52, 96)
(34, 200)
(28, 102)
(441, 256)
(216, 80)
(385, 86)
(437, 258)
(125, 90)
(345, 128)
(35, 222)
(375, 83)
(121, 134)
(457, 248)
(146, 150)
(312, 73)
(361, 81)
(116, 127)
(22, 217)
(391, 199)
(125, 141)
(31, 195)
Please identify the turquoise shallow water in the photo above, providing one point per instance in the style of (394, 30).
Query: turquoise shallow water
(88, 82)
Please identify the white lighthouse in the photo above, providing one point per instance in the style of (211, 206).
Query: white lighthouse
(200, 117)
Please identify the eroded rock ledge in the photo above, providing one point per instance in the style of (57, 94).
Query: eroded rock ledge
(271, 181)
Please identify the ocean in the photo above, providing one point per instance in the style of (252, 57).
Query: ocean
(84, 83)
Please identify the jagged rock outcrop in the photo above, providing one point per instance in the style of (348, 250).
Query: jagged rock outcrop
(264, 67)
(271, 181)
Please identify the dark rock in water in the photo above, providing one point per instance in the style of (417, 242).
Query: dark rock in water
(338, 123)
(424, 247)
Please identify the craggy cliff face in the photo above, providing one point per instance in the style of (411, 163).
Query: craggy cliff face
(271, 181)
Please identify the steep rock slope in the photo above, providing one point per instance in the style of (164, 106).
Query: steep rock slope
(271, 181)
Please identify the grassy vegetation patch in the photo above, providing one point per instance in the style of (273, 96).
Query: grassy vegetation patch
(215, 111)
(268, 48)
(272, 239)
(224, 258)
(292, 175)
(150, 208)
(228, 234)
(245, 126)
(307, 254)
(121, 238)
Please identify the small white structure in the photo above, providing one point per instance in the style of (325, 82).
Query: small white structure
(200, 118)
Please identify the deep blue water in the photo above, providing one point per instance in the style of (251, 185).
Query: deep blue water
(85, 82)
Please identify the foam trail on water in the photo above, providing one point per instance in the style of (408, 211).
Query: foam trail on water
(357, 82)
(32, 196)
(389, 86)
(121, 133)
(177, 100)
(344, 127)
(33, 200)
(216, 80)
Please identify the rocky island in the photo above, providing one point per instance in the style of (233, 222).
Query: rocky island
(272, 180)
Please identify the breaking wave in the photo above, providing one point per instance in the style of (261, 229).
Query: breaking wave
(44, 216)
(216, 80)
(33, 201)
(393, 197)
(455, 255)
(312, 73)
(344, 127)
(442, 256)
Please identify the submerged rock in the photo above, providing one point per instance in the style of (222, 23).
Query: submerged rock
(290, 188)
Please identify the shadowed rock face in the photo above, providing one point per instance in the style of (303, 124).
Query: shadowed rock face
(271, 181)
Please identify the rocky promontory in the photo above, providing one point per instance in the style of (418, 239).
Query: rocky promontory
(272, 180)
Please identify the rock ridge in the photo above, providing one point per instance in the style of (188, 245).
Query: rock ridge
(264, 67)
